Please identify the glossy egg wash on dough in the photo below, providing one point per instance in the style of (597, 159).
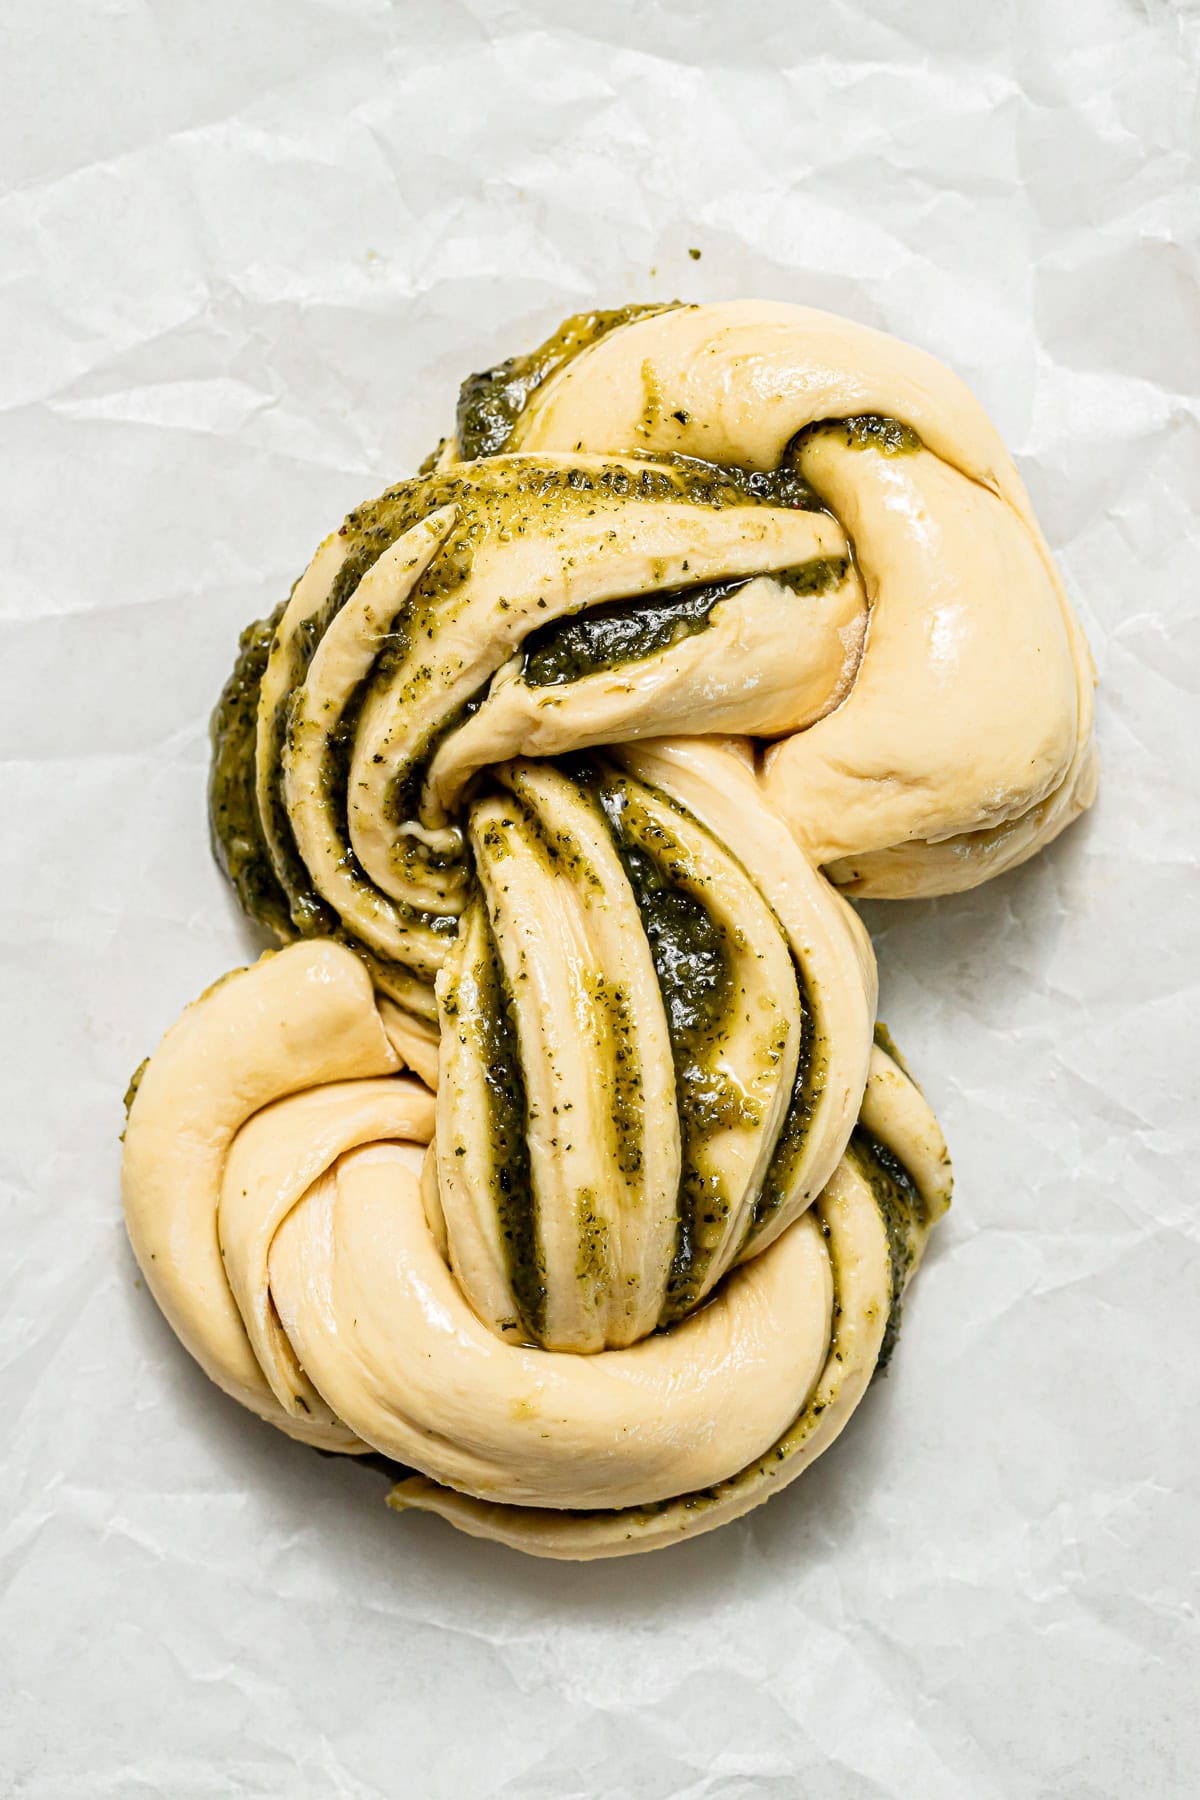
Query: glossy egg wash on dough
(557, 1155)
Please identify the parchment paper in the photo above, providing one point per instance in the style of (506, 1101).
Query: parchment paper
(247, 252)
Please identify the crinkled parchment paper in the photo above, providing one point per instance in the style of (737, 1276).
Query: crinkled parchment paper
(247, 248)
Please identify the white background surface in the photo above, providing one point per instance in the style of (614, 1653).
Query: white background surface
(247, 248)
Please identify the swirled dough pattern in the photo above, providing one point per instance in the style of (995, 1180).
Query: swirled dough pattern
(552, 775)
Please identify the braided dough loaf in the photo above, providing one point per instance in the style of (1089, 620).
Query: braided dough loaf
(553, 774)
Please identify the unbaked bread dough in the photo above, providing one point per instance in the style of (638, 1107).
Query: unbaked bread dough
(557, 1155)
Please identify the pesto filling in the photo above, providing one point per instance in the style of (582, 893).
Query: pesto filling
(619, 631)
(902, 1210)
(310, 916)
(690, 952)
(510, 1174)
(403, 801)
(624, 631)
(567, 859)
(591, 1259)
(135, 1082)
(807, 1088)
(273, 888)
(131, 1092)
(491, 402)
(236, 827)
(865, 431)
(629, 1123)
(335, 787)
